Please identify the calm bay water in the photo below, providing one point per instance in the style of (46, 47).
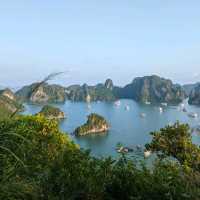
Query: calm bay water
(127, 126)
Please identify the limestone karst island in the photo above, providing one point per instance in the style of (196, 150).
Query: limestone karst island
(95, 124)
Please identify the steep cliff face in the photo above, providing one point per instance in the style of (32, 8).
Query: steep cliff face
(8, 93)
(8, 103)
(149, 88)
(153, 89)
(100, 92)
(95, 124)
(194, 97)
(189, 87)
(44, 93)
(109, 84)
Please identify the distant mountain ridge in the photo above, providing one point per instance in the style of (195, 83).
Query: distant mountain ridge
(148, 88)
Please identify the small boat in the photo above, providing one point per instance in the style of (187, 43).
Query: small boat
(124, 150)
(184, 110)
(147, 102)
(127, 107)
(160, 109)
(147, 154)
(142, 115)
(117, 103)
(193, 115)
(138, 147)
(182, 105)
(164, 104)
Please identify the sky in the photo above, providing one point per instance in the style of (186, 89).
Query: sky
(92, 40)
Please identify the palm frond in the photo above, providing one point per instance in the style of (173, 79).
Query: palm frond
(13, 154)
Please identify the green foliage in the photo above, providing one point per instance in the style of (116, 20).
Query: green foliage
(54, 168)
(51, 112)
(37, 142)
(176, 141)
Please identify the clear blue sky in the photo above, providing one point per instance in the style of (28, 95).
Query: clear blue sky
(96, 39)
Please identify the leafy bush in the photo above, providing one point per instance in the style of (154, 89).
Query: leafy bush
(42, 163)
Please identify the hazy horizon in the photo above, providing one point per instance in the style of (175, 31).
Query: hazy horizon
(95, 40)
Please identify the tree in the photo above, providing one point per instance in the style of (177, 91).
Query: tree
(176, 141)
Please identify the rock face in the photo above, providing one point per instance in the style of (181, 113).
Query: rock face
(51, 112)
(109, 84)
(194, 97)
(95, 124)
(100, 92)
(189, 87)
(45, 93)
(152, 89)
(8, 103)
(8, 93)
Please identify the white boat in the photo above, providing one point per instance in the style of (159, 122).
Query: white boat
(142, 115)
(164, 104)
(147, 154)
(127, 107)
(182, 105)
(117, 103)
(147, 103)
(193, 115)
(160, 109)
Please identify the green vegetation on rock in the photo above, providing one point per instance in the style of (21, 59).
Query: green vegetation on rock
(44, 93)
(51, 112)
(152, 89)
(148, 88)
(8, 103)
(100, 92)
(95, 124)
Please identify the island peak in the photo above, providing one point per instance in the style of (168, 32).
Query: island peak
(51, 112)
(95, 124)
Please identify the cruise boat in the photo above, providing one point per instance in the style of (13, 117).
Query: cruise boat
(164, 104)
(117, 103)
(147, 102)
(182, 105)
(160, 109)
(193, 115)
(127, 107)
(142, 115)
